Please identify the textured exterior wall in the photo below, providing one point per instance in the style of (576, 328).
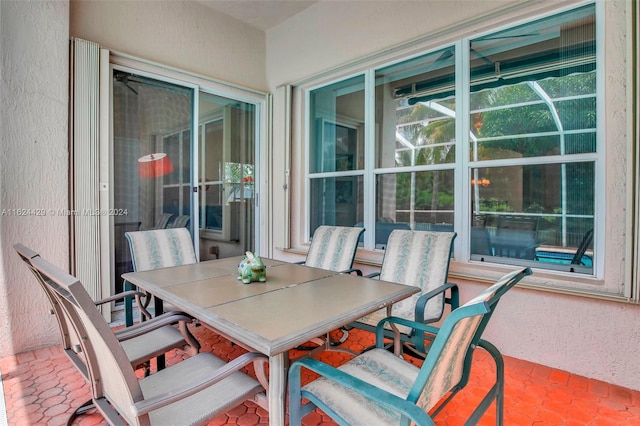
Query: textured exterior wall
(592, 337)
(182, 34)
(33, 165)
(332, 33)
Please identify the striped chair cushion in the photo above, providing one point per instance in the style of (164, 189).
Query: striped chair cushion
(448, 368)
(161, 248)
(420, 259)
(333, 247)
(377, 367)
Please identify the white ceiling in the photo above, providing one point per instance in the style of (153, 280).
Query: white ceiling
(261, 14)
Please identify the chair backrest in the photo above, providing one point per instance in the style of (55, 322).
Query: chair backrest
(163, 220)
(181, 221)
(517, 227)
(333, 247)
(110, 370)
(161, 248)
(448, 361)
(420, 259)
(582, 248)
(70, 341)
(480, 241)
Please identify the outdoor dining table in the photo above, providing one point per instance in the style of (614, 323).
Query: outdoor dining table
(296, 304)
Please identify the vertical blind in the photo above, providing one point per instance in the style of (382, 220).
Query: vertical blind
(84, 164)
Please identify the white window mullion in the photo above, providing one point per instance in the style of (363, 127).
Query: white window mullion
(462, 212)
(195, 170)
(599, 209)
(106, 177)
(306, 168)
(369, 159)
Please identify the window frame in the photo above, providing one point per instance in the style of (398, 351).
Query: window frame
(199, 84)
(461, 38)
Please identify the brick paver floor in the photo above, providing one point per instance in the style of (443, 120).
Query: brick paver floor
(43, 388)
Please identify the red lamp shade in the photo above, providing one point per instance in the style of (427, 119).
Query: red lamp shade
(154, 165)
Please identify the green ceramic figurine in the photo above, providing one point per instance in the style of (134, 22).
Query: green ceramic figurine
(251, 269)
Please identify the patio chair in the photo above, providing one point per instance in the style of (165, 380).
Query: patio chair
(163, 220)
(159, 248)
(191, 392)
(582, 248)
(140, 342)
(420, 259)
(515, 237)
(378, 388)
(333, 248)
(181, 221)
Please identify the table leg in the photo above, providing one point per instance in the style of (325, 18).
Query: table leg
(158, 306)
(128, 306)
(278, 367)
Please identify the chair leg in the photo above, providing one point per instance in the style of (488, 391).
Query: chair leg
(496, 392)
(412, 351)
(342, 339)
(331, 342)
(146, 368)
(325, 344)
(88, 405)
(194, 345)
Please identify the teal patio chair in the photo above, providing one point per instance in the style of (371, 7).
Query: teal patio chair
(420, 259)
(379, 388)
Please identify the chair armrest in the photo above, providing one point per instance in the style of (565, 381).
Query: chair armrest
(380, 396)
(373, 275)
(168, 318)
(119, 296)
(418, 326)
(480, 308)
(129, 293)
(421, 303)
(358, 272)
(196, 385)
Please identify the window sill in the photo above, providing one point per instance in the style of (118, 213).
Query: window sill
(483, 272)
(566, 283)
(210, 235)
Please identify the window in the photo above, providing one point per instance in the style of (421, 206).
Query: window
(336, 154)
(493, 136)
(415, 145)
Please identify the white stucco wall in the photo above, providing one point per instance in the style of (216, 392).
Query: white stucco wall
(592, 337)
(34, 117)
(180, 34)
(330, 34)
(33, 166)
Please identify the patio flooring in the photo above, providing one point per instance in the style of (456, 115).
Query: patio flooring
(43, 388)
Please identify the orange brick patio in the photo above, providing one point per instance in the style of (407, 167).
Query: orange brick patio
(42, 387)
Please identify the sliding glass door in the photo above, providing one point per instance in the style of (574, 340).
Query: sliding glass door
(164, 177)
(152, 122)
(226, 176)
